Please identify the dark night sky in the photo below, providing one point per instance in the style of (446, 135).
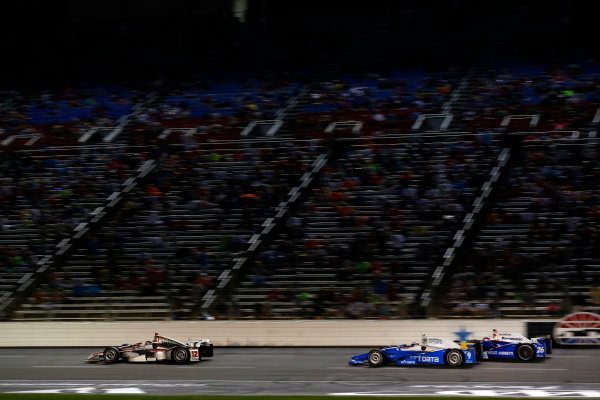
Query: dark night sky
(114, 39)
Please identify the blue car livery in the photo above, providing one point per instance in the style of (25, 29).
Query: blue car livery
(513, 346)
(431, 351)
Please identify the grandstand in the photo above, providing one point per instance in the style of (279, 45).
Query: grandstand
(361, 182)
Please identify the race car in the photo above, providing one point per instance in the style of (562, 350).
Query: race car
(511, 345)
(161, 348)
(436, 351)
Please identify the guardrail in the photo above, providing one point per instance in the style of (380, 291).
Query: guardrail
(329, 333)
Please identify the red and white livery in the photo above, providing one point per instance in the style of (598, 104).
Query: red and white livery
(161, 348)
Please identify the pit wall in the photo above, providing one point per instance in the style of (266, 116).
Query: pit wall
(251, 333)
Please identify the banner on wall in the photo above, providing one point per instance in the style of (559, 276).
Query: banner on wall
(581, 328)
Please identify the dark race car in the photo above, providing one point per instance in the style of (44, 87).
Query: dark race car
(161, 348)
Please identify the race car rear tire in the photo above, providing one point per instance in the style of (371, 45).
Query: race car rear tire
(375, 358)
(111, 355)
(525, 352)
(180, 355)
(454, 357)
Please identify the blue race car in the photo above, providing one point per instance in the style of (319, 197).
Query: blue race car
(431, 351)
(511, 345)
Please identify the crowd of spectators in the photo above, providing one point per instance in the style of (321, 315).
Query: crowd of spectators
(382, 101)
(371, 231)
(217, 106)
(396, 202)
(44, 195)
(175, 234)
(62, 115)
(415, 201)
(541, 255)
(565, 97)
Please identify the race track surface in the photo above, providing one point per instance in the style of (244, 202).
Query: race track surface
(299, 371)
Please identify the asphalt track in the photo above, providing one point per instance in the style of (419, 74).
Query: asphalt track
(297, 371)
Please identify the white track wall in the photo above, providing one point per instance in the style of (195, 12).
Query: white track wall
(249, 333)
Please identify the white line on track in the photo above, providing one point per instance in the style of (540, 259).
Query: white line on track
(392, 368)
(42, 384)
(13, 356)
(67, 366)
(364, 368)
(226, 367)
(529, 369)
(98, 383)
(571, 356)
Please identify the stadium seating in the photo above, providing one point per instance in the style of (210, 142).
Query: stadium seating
(179, 232)
(535, 255)
(367, 234)
(342, 256)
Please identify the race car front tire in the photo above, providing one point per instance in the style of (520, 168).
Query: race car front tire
(454, 357)
(111, 355)
(180, 355)
(375, 358)
(525, 352)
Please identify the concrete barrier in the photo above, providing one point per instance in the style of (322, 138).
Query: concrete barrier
(250, 333)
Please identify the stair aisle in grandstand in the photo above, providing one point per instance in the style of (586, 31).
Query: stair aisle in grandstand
(343, 236)
(54, 190)
(533, 257)
(169, 242)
